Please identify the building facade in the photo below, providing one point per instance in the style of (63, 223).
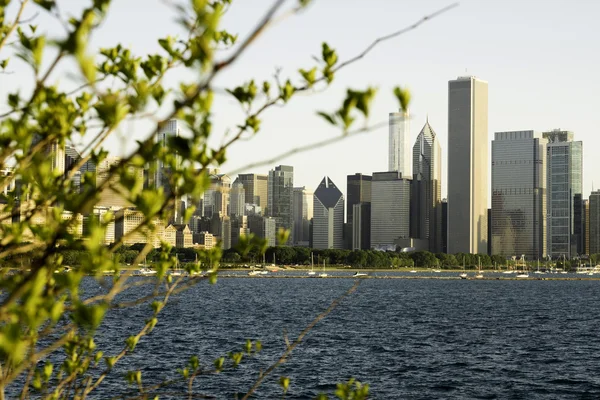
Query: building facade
(263, 227)
(303, 213)
(594, 222)
(256, 187)
(281, 198)
(586, 227)
(564, 193)
(427, 189)
(467, 165)
(237, 199)
(399, 143)
(358, 190)
(328, 217)
(519, 194)
(390, 209)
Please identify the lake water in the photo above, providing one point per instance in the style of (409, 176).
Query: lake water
(406, 338)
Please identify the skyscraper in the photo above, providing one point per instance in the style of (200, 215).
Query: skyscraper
(399, 143)
(237, 199)
(467, 165)
(303, 213)
(280, 195)
(390, 209)
(427, 189)
(519, 194)
(256, 187)
(564, 174)
(358, 190)
(161, 175)
(595, 222)
(328, 218)
(586, 227)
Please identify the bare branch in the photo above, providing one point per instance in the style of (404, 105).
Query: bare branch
(14, 24)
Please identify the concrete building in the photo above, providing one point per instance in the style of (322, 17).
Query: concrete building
(256, 187)
(564, 193)
(586, 227)
(281, 195)
(467, 165)
(220, 227)
(390, 209)
(427, 189)
(179, 236)
(239, 228)
(444, 226)
(399, 143)
(216, 197)
(519, 194)
(253, 209)
(358, 190)
(594, 222)
(263, 227)
(99, 213)
(328, 218)
(113, 193)
(303, 213)
(205, 240)
(126, 222)
(237, 199)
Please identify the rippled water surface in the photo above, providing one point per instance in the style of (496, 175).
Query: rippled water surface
(407, 338)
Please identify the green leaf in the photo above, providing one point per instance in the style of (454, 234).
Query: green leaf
(403, 97)
(327, 117)
(309, 76)
(284, 382)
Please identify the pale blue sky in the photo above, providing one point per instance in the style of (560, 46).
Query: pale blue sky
(540, 59)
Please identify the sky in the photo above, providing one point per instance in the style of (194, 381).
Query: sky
(540, 59)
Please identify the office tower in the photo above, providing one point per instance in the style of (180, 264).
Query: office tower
(358, 190)
(303, 213)
(519, 194)
(399, 143)
(586, 227)
(594, 222)
(239, 228)
(489, 232)
(564, 190)
(256, 187)
(237, 199)
(113, 194)
(98, 213)
(467, 165)
(253, 209)
(427, 189)
(328, 218)
(280, 196)
(263, 227)
(216, 197)
(220, 227)
(444, 226)
(361, 226)
(205, 240)
(169, 129)
(390, 209)
(127, 221)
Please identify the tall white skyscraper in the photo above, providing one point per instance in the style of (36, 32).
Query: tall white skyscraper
(399, 143)
(170, 128)
(237, 199)
(467, 165)
(519, 194)
(328, 217)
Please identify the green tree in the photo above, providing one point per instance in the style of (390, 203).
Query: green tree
(118, 86)
(423, 259)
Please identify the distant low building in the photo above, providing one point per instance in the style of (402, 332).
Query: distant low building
(205, 240)
(127, 221)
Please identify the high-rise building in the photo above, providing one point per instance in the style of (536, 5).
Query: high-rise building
(303, 213)
(358, 190)
(594, 222)
(328, 217)
(113, 194)
(281, 198)
(564, 162)
(220, 227)
(239, 228)
(237, 199)
(256, 187)
(467, 165)
(169, 129)
(444, 226)
(216, 197)
(586, 227)
(127, 222)
(263, 227)
(519, 194)
(399, 143)
(427, 189)
(390, 209)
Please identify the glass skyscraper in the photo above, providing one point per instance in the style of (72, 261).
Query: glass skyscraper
(358, 191)
(281, 198)
(328, 216)
(399, 143)
(564, 191)
(519, 194)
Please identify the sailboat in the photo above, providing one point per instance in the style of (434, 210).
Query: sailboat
(523, 274)
(323, 274)
(538, 268)
(464, 274)
(312, 266)
(479, 274)
(177, 271)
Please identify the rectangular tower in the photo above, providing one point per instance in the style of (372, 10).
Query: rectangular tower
(303, 213)
(594, 216)
(390, 209)
(281, 198)
(564, 174)
(467, 165)
(399, 143)
(358, 190)
(519, 194)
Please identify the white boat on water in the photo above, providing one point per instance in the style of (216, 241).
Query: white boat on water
(523, 275)
(413, 272)
(359, 274)
(437, 271)
(312, 267)
(479, 274)
(254, 273)
(463, 275)
(146, 271)
(323, 274)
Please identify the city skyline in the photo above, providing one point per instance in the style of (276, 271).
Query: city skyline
(423, 60)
